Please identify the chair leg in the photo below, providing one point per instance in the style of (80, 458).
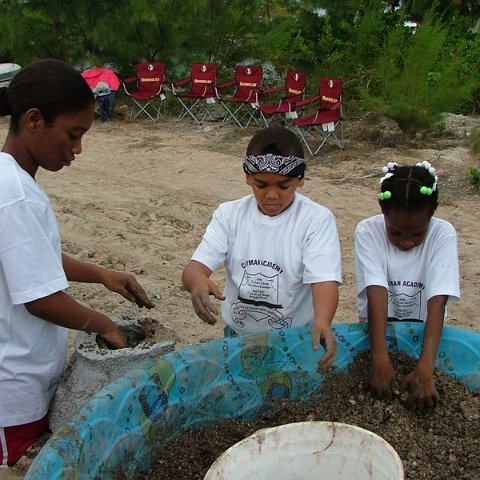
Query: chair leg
(317, 133)
(241, 115)
(207, 110)
(342, 135)
(141, 109)
(251, 115)
(322, 143)
(303, 139)
(186, 111)
(230, 116)
(262, 116)
(331, 135)
(197, 110)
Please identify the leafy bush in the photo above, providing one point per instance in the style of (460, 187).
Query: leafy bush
(415, 78)
(474, 142)
(474, 177)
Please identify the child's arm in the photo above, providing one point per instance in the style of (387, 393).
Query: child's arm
(382, 374)
(120, 282)
(61, 309)
(325, 301)
(420, 384)
(196, 280)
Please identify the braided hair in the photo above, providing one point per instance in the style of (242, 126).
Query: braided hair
(409, 187)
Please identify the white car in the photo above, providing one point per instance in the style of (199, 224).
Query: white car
(7, 72)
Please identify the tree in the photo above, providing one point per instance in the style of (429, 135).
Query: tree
(415, 78)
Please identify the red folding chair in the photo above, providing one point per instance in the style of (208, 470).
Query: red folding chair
(242, 106)
(321, 126)
(149, 94)
(199, 99)
(293, 91)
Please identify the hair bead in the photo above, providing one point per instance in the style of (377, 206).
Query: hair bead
(431, 171)
(385, 195)
(408, 187)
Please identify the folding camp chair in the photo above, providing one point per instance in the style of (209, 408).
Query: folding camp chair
(293, 91)
(198, 101)
(149, 94)
(245, 101)
(104, 84)
(316, 129)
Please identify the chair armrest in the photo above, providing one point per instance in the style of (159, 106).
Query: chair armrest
(307, 101)
(180, 83)
(167, 83)
(335, 106)
(221, 86)
(273, 90)
(128, 80)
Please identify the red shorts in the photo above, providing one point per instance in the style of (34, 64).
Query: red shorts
(16, 440)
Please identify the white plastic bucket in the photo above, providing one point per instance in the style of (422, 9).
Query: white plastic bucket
(309, 450)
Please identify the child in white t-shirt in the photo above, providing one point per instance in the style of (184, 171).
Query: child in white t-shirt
(280, 250)
(51, 107)
(406, 270)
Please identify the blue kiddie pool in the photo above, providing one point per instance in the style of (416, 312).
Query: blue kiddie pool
(125, 426)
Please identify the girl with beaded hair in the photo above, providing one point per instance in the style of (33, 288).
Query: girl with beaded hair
(280, 251)
(406, 264)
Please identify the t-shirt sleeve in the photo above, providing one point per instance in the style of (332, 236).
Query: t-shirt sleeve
(321, 254)
(30, 264)
(213, 248)
(443, 271)
(370, 266)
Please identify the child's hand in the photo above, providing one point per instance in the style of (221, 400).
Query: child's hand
(114, 337)
(202, 304)
(322, 335)
(382, 382)
(126, 285)
(421, 390)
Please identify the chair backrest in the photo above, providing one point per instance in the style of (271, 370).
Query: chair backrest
(248, 79)
(203, 77)
(330, 91)
(150, 76)
(93, 76)
(295, 85)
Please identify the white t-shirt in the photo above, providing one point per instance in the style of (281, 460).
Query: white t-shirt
(411, 277)
(32, 351)
(270, 262)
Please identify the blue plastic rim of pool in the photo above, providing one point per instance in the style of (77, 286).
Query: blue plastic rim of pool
(124, 427)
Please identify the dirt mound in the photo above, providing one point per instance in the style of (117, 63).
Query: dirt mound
(440, 443)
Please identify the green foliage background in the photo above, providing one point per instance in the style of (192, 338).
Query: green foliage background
(409, 74)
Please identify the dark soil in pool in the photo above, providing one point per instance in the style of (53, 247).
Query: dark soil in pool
(442, 443)
(144, 333)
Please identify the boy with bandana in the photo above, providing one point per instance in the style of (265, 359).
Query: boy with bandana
(280, 251)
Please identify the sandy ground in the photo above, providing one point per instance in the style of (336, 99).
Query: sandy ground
(141, 194)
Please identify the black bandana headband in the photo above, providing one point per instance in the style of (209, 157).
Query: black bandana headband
(271, 163)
